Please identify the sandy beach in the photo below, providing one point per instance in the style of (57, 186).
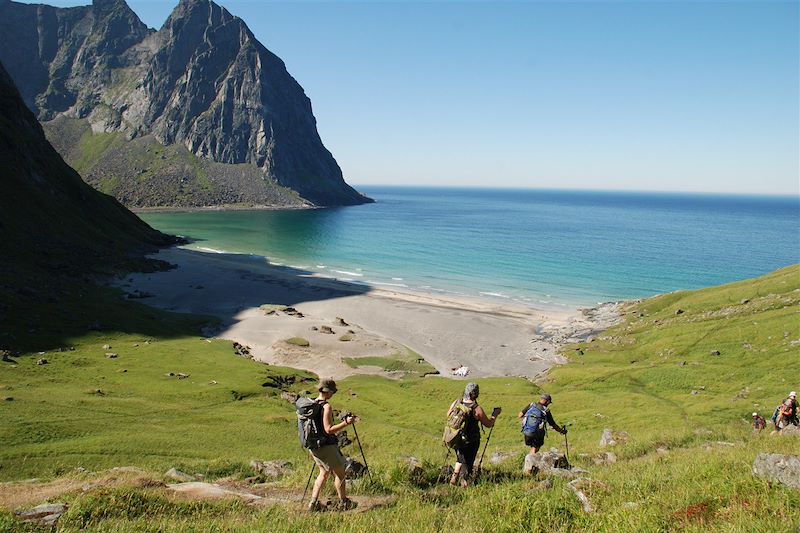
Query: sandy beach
(345, 320)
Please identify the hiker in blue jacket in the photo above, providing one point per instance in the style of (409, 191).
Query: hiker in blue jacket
(535, 419)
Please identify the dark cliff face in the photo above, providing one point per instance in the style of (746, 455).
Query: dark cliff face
(48, 216)
(202, 82)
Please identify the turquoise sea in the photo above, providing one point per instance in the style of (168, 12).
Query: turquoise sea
(536, 247)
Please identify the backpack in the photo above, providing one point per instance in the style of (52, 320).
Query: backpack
(535, 420)
(310, 430)
(775, 415)
(453, 436)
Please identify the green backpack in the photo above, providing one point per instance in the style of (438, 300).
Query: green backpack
(456, 421)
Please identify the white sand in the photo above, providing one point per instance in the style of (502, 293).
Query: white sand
(490, 338)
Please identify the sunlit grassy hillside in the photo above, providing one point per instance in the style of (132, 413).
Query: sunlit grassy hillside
(656, 376)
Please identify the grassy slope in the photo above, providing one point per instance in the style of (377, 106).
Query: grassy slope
(143, 173)
(630, 380)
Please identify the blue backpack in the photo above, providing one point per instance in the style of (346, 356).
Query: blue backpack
(535, 420)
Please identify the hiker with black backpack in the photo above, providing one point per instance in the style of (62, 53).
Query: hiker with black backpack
(317, 433)
(462, 432)
(535, 419)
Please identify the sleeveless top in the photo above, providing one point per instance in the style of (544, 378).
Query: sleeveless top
(327, 440)
(472, 427)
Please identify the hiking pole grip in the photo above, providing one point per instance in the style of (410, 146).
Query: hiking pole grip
(358, 440)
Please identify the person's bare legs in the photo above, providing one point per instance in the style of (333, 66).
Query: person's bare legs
(456, 474)
(321, 478)
(339, 482)
(533, 451)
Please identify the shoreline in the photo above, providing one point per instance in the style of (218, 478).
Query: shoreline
(489, 338)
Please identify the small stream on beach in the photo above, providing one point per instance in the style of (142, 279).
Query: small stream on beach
(531, 247)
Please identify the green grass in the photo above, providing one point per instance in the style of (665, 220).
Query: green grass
(92, 147)
(298, 341)
(408, 361)
(629, 379)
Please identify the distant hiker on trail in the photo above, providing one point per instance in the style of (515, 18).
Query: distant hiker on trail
(469, 416)
(786, 412)
(319, 436)
(758, 423)
(535, 419)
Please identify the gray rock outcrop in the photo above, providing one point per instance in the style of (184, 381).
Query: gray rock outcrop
(271, 469)
(44, 515)
(196, 113)
(783, 469)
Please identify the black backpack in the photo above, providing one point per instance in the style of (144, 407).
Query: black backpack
(310, 429)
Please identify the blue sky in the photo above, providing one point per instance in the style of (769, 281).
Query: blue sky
(636, 95)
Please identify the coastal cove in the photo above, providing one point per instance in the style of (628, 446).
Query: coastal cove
(535, 248)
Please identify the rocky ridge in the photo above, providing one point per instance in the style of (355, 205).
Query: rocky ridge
(202, 85)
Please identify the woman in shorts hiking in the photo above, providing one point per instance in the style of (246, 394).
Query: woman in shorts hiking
(467, 450)
(328, 457)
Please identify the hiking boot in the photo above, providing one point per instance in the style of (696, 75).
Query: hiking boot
(346, 505)
(315, 507)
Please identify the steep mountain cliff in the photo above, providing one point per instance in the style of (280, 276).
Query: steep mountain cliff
(197, 113)
(52, 223)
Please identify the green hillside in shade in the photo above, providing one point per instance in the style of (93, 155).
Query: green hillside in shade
(686, 463)
(53, 225)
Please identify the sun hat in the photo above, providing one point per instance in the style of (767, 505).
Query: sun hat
(327, 385)
(755, 414)
(793, 393)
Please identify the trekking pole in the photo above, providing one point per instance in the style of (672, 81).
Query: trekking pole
(566, 443)
(310, 474)
(485, 445)
(366, 466)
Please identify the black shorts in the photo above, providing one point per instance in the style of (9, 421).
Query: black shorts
(535, 440)
(466, 454)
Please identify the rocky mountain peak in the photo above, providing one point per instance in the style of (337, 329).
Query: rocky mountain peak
(202, 82)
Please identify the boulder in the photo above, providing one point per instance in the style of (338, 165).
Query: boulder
(289, 397)
(340, 321)
(612, 438)
(501, 457)
(111, 355)
(353, 469)
(414, 468)
(607, 438)
(41, 362)
(544, 462)
(778, 468)
(210, 491)
(43, 515)
(605, 458)
(790, 431)
(177, 475)
(326, 329)
(577, 486)
(272, 469)
(343, 439)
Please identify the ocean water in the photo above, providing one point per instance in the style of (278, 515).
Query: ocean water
(535, 247)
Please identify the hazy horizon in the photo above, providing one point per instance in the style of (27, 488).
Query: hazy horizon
(694, 97)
